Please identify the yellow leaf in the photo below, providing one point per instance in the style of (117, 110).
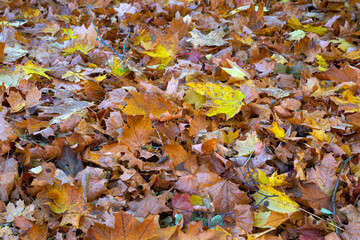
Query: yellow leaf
(274, 181)
(31, 68)
(78, 46)
(221, 99)
(193, 97)
(352, 55)
(244, 148)
(236, 71)
(278, 202)
(196, 200)
(294, 23)
(69, 200)
(296, 35)
(161, 53)
(118, 68)
(279, 59)
(269, 219)
(322, 63)
(100, 78)
(73, 76)
(355, 168)
(321, 135)
(278, 131)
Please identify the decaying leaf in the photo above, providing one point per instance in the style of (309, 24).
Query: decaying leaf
(66, 110)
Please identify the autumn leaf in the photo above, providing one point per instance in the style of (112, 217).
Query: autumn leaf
(247, 146)
(214, 38)
(127, 227)
(149, 205)
(277, 131)
(137, 131)
(146, 103)
(221, 99)
(277, 201)
(225, 195)
(67, 109)
(236, 71)
(30, 68)
(68, 199)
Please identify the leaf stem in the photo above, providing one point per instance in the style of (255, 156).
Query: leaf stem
(335, 189)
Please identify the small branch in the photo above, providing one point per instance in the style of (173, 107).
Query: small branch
(316, 216)
(67, 29)
(335, 189)
(101, 39)
(126, 42)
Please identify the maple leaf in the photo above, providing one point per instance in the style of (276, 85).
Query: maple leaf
(69, 200)
(222, 99)
(78, 46)
(294, 23)
(137, 131)
(244, 217)
(225, 195)
(146, 103)
(149, 205)
(127, 227)
(214, 38)
(67, 109)
(30, 68)
(278, 201)
(324, 175)
(247, 146)
(278, 131)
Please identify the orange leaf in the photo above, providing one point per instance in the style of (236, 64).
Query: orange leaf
(69, 200)
(136, 133)
(146, 103)
(127, 227)
(177, 153)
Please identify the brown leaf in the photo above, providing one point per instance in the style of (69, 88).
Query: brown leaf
(352, 231)
(69, 162)
(256, 19)
(225, 195)
(324, 175)
(244, 217)
(136, 133)
(127, 227)
(151, 204)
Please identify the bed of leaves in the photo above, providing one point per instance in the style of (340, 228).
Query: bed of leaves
(180, 119)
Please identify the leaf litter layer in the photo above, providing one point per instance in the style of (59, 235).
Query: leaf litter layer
(179, 119)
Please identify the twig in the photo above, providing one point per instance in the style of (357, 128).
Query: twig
(244, 182)
(126, 42)
(101, 39)
(68, 31)
(316, 216)
(335, 189)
